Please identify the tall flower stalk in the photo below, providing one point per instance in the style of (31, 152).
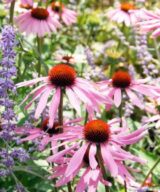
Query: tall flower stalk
(7, 72)
(8, 155)
(39, 47)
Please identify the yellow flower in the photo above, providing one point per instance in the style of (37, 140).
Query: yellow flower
(114, 53)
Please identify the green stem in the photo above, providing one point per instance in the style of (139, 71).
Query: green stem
(69, 187)
(19, 64)
(86, 118)
(39, 47)
(120, 115)
(11, 12)
(101, 165)
(61, 6)
(111, 69)
(17, 181)
(157, 50)
(125, 186)
(60, 121)
(150, 171)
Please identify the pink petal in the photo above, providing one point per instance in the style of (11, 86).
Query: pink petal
(42, 102)
(31, 137)
(82, 96)
(108, 160)
(36, 91)
(92, 153)
(81, 184)
(45, 140)
(144, 90)
(134, 99)
(76, 160)
(60, 154)
(154, 118)
(31, 82)
(73, 100)
(134, 134)
(54, 106)
(117, 97)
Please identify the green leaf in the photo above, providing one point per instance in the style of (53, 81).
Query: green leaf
(151, 160)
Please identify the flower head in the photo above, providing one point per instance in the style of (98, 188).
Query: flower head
(62, 75)
(39, 13)
(122, 82)
(124, 13)
(59, 10)
(77, 90)
(37, 21)
(44, 134)
(97, 137)
(121, 79)
(57, 7)
(97, 131)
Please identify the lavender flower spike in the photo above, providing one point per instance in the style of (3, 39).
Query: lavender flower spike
(7, 72)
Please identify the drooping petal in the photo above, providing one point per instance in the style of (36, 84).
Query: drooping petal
(31, 137)
(42, 102)
(31, 82)
(92, 156)
(60, 154)
(54, 106)
(135, 100)
(76, 160)
(108, 160)
(36, 91)
(81, 184)
(73, 100)
(81, 95)
(117, 97)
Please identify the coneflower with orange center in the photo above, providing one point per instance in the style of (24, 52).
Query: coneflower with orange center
(44, 133)
(97, 136)
(60, 11)
(37, 21)
(125, 13)
(64, 78)
(122, 83)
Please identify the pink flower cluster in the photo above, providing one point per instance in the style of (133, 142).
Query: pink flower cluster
(130, 15)
(97, 146)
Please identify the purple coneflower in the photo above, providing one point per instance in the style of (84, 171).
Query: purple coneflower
(77, 90)
(122, 82)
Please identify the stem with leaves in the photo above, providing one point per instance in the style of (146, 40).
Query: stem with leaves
(157, 49)
(150, 171)
(60, 121)
(120, 116)
(39, 47)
